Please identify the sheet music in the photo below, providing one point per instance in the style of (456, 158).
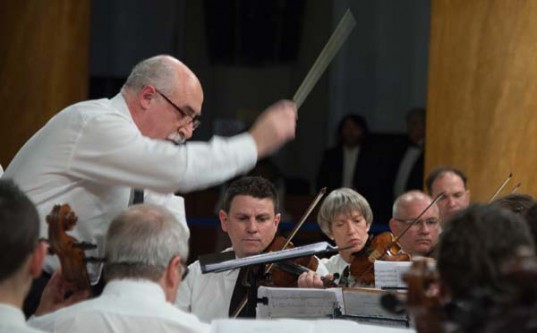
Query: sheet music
(296, 325)
(389, 274)
(263, 258)
(297, 302)
(365, 302)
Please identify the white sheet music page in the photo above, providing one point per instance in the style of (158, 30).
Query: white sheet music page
(297, 302)
(365, 304)
(389, 274)
(299, 325)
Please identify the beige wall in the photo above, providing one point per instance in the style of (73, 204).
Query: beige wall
(482, 100)
(43, 65)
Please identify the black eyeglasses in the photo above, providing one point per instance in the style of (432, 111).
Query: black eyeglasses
(194, 120)
(431, 222)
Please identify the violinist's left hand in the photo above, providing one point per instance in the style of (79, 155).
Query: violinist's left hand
(312, 280)
(53, 297)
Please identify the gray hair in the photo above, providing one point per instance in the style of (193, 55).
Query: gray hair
(342, 201)
(141, 241)
(159, 71)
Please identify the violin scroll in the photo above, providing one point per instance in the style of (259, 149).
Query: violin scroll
(67, 248)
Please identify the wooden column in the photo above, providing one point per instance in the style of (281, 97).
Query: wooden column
(44, 60)
(482, 92)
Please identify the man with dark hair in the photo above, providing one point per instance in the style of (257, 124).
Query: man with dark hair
(355, 162)
(474, 249)
(21, 255)
(342, 165)
(146, 248)
(453, 183)
(516, 203)
(250, 217)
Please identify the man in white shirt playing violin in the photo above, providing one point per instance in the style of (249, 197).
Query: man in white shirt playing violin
(421, 237)
(250, 216)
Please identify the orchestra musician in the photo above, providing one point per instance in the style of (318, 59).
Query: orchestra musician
(345, 217)
(250, 216)
(422, 237)
(92, 154)
(146, 251)
(474, 248)
(453, 183)
(22, 255)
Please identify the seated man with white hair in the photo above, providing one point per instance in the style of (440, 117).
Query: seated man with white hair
(146, 249)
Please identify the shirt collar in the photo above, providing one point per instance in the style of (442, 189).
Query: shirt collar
(134, 288)
(11, 316)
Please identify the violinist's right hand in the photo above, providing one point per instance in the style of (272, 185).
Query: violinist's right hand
(313, 280)
(53, 297)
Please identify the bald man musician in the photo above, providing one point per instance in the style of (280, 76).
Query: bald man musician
(94, 153)
(421, 238)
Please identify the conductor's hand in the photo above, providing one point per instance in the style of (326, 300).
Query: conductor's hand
(274, 127)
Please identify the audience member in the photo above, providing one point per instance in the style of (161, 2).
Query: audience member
(410, 157)
(357, 163)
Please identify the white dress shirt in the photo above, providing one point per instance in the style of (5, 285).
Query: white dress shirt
(350, 155)
(124, 306)
(12, 320)
(91, 154)
(208, 296)
(412, 154)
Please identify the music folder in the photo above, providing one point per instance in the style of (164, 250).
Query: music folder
(209, 265)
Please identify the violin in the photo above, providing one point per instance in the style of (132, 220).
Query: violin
(69, 250)
(384, 246)
(285, 274)
(423, 301)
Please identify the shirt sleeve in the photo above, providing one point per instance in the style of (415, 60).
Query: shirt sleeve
(112, 150)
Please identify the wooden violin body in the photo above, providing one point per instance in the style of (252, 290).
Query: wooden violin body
(380, 247)
(68, 249)
(279, 275)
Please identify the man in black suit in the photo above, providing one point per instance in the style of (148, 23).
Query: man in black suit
(409, 155)
(356, 163)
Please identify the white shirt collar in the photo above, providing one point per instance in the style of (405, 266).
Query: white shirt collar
(11, 316)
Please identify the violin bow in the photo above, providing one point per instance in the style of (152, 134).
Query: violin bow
(500, 188)
(311, 207)
(515, 189)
